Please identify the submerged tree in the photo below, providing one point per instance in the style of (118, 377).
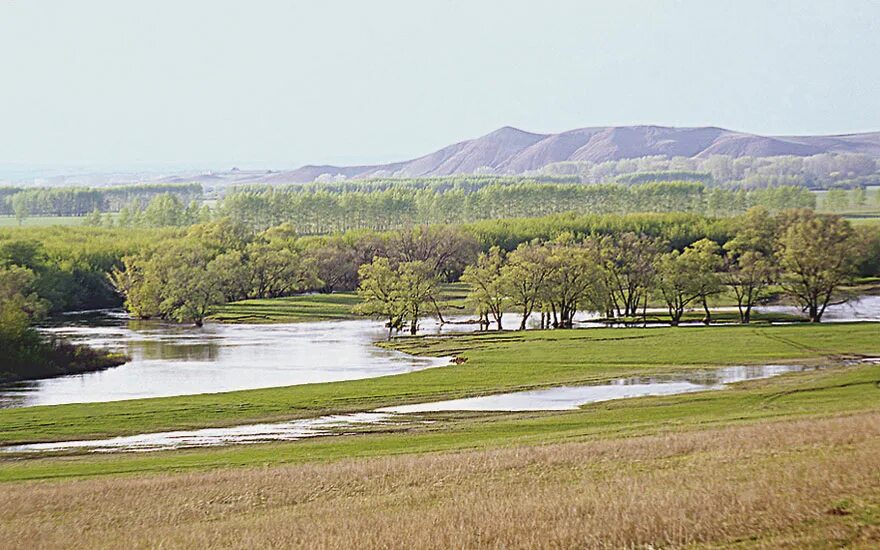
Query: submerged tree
(378, 292)
(397, 294)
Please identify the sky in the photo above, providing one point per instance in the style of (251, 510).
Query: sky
(284, 83)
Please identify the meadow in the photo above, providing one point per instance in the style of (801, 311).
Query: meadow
(487, 363)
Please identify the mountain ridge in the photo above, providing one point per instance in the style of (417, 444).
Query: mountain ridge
(510, 150)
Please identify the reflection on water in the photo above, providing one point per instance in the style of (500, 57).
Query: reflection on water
(560, 398)
(571, 397)
(863, 308)
(169, 359)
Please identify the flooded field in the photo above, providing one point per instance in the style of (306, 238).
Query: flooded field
(550, 399)
(168, 359)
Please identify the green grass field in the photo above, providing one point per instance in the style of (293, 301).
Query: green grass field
(317, 307)
(492, 363)
(40, 221)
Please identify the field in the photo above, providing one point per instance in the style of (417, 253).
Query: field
(40, 221)
(791, 461)
(784, 484)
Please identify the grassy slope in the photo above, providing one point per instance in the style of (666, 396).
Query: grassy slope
(795, 484)
(495, 362)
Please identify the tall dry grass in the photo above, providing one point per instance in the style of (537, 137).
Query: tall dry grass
(769, 484)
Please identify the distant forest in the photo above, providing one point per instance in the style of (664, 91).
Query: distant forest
(712, 186)
(828, 170)
(79, 201)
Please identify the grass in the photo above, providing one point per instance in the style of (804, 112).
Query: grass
(41, 221)
(317, 307)
(493, 362)
(792, 461)
(305, 307)
(771, 484)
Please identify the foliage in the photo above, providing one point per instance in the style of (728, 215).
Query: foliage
(818, 254)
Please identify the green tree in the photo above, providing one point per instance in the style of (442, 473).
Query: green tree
(418, 285)
(817, 255)
(836, 200)
(705, 264)
(488, 291)
(165, 210)
(575, 279)
(379, 293)
(525, 276)
(628, 260)
(751, 267)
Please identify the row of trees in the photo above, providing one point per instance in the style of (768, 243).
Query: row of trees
(320, 212)
(164, 272)
(816, 171)
(808, 256)
(81, 201)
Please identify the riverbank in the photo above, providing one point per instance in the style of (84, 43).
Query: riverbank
(56, 358)
(340, 305)
(487, 363)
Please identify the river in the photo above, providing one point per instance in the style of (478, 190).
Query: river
(168, 359)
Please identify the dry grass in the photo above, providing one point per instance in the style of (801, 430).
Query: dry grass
(772, 484)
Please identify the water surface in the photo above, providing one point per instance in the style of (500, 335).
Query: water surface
(168, 359)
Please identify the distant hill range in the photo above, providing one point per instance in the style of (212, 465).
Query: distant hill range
(512, 151)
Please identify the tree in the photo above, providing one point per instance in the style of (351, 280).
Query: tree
(379, 293)
(181, 282)
(417, 285)
(138, 284)
(817, 254)
(628, 260)
(575, 279)
(164, 210)
(836, 200)
(488, 292)
(444, 249)
(276, 270)
(751, 267)
(674, 284)
(192, 283)
(525, 276)
(705, 263)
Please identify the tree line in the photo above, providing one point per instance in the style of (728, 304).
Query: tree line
(316, 211)
(613, 265)
(822, 171)
(808, 256)
(82, 201)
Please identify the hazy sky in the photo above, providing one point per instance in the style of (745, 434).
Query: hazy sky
(289, 82)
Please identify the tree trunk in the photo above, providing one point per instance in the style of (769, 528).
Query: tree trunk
(708, 318)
